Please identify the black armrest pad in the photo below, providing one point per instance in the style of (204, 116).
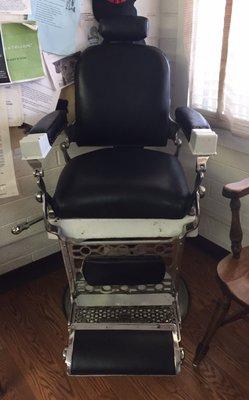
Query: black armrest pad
(188, 119)
(52, 124)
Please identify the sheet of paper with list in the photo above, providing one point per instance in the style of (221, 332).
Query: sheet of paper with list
(15, 6)
(8, 185)
(39, 98)
(13, 96)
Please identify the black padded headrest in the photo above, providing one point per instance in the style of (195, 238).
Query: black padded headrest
(124, 28)
(106, 8)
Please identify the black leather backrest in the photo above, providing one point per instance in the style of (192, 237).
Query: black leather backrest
(122, 96)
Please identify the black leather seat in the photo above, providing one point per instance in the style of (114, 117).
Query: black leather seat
(123, 183)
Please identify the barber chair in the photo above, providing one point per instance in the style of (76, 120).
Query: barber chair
(121, 212)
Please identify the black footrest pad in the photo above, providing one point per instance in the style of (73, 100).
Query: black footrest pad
(118, 352)
(135, 270)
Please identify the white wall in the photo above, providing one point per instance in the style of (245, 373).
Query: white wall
(150, 9)
(168, 36)
(33, 244)
(231, 163)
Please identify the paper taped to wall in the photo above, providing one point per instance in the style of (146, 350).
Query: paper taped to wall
(86, 6)
(87, 33)
(20, 55)
(15, 6)
(39, 98)
(8, 185)
(13, 97)
(61, 69)
(57, 24)
(13, 18)
(4, 75)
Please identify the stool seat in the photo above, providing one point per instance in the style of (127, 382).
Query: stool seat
(235, 274)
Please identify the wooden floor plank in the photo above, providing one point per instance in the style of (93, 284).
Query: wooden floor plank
(33, 333)
(13, 382)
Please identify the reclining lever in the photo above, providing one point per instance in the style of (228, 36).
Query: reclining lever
(17, 229)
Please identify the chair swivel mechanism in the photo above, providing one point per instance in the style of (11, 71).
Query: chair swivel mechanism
(121, 212)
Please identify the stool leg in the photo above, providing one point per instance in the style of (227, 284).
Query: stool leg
(221, 310)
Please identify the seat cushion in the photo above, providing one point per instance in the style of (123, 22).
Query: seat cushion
(122, 183)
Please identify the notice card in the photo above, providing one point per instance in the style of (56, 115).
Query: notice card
(61, 69)
(13, 97)
(57, 24)
(4, 75)
(13, 18)
(20, 56)
(8, 185)
(87, 33)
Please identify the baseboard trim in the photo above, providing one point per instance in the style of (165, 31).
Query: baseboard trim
(37, 269)
(29, 272)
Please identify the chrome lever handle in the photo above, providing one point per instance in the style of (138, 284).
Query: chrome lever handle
(17, 229)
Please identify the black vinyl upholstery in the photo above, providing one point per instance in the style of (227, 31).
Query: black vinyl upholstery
(124, 270)
(124, 28)
(106, 352)
(52, 124)
(105, 8)
(122, 183)
(122, 100)
(189, 119)
(122, 96)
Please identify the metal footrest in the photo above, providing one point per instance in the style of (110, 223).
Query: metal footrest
(124, 351)
(123, 329)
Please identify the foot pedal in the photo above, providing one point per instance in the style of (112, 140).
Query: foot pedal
(124, 351)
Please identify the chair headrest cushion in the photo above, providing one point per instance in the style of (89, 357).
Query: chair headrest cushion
(124, 28)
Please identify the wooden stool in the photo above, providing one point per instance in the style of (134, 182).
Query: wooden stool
(232, 273)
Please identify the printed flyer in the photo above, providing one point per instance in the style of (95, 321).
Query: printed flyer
(20, 55)
(57, 22)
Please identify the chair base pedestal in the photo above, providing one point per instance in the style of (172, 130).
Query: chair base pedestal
(183, 299)
(201, 352)
(124, 313)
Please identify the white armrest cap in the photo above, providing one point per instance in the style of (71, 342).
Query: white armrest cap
(35, 146)
(203, 142)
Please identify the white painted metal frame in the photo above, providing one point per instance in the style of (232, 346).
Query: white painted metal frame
(89, 229)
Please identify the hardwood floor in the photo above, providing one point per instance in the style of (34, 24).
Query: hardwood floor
(33, 333)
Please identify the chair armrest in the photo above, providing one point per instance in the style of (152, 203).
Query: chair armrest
(52, 124)
(202, 140)
(189, 119)
(38, 142)
(237, 189)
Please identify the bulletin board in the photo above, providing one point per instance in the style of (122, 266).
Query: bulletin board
(40, 43)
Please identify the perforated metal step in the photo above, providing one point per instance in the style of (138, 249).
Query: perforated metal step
(135, 314)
